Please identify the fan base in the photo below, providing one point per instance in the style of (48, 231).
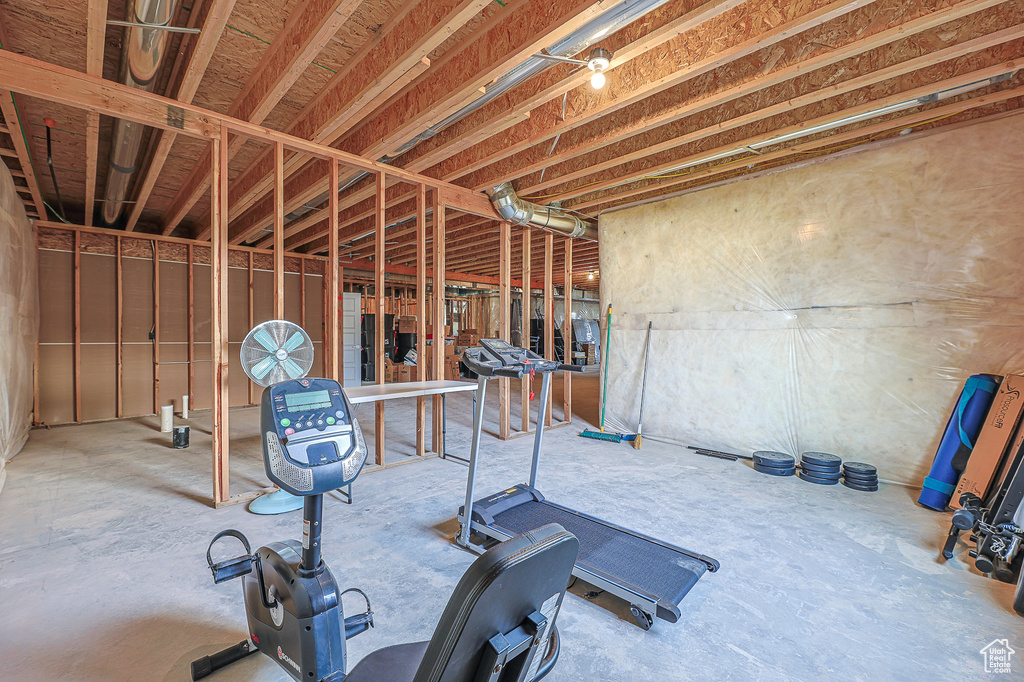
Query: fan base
(277, 502)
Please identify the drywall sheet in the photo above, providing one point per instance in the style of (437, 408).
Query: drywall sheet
(836, 307)
(19, 321)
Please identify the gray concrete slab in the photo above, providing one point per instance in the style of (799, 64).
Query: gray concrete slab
(103, 533)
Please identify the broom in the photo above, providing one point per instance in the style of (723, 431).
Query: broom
(638, 441)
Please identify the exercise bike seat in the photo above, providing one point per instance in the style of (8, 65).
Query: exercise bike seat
(506, 588)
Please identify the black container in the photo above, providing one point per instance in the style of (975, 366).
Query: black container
(179, 437)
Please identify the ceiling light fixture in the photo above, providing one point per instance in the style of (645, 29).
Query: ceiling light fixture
(599, 61)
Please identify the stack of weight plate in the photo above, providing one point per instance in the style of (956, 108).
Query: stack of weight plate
(774, 463)
(820, 467)
(860, 476)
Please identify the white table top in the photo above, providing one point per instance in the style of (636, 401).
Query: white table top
(407, 389)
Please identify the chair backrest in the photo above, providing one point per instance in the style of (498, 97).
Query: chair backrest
(506, 584)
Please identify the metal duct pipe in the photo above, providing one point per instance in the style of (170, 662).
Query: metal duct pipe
(521, 212)
(142, 54)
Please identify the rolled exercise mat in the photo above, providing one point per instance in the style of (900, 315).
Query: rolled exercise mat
(958, 440)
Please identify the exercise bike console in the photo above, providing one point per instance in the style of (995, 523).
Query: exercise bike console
(311, 444)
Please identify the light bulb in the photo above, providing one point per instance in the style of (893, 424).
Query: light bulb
(597, 80)
(590, 276)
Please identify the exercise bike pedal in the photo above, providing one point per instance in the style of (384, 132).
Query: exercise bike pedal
(229, 569)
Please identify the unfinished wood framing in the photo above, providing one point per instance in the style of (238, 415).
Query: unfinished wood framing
(96, 27)
(156, 327)
(549, 312)
(438, 317)
(219, 315)
(278, 230)
(504, 326)
(78, 327)
(527, 387)
(191, 331)
(119, 295)
(567, 331)
(421, 316)
(333, 351)
(378, 327)
(252, 316)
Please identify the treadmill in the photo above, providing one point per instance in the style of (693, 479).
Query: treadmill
(651, 575)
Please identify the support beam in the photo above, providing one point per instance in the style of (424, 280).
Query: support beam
(438, 317)
(78, 327)
(252, 320)
(213, 26)
(191, 332)
(156, 327)
(525, 317)
(119, 296)
(307, 30)
(378, 327)
(567, 331)
(96, 28)
(421, 316)
(504, 325)
(278, 230)
(333, 350)
(219, 316)
(549, 309)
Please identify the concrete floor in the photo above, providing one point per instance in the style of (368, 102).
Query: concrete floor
(103, 534)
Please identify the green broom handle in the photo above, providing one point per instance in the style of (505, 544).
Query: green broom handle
(604, 361)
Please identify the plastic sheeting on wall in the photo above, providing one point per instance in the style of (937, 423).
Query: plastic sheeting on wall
(19, 321)
(835, 307)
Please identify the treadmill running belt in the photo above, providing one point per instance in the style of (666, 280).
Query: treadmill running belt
(653, 568)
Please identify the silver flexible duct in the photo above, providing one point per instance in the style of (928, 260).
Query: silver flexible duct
(522, 212)
(143, 53)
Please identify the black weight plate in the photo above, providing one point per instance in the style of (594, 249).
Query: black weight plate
(775, 471)
(822, 459)
(860, 468)
(819, 481)
(816, 467)
(865, 488)
(867, 478)
(823, 475)
(769, 458)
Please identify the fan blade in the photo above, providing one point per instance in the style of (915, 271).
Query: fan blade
(294, 342)
(264, 339)
(291, 369)
(261, 368)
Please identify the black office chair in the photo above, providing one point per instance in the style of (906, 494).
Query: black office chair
(499, 624)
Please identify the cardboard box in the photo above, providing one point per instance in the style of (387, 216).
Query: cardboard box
(991, 445)
(407, 324)
(407, 373)
(468, 339)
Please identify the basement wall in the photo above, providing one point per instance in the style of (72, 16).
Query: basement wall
(836, 307)
(19, 321)
(154, 371)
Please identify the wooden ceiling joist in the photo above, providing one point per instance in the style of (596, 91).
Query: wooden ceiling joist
(661, 69)
(788, 119)
(309, 27)
(382, 68)
(642, 191)
(199, 59)
(96, 30)
(676, 125)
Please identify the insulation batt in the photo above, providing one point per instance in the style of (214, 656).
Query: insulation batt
(837, 306)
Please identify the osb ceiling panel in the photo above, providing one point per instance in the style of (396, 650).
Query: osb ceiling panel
(601, 152)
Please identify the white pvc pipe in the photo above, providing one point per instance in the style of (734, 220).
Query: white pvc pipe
(166, 418)
(184, 407)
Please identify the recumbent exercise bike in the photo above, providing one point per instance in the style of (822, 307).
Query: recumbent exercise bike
(499, 625)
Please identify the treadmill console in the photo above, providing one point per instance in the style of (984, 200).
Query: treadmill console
(494, 355)
(312, 442)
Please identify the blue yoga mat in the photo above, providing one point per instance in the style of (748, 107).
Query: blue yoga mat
(961, 433)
